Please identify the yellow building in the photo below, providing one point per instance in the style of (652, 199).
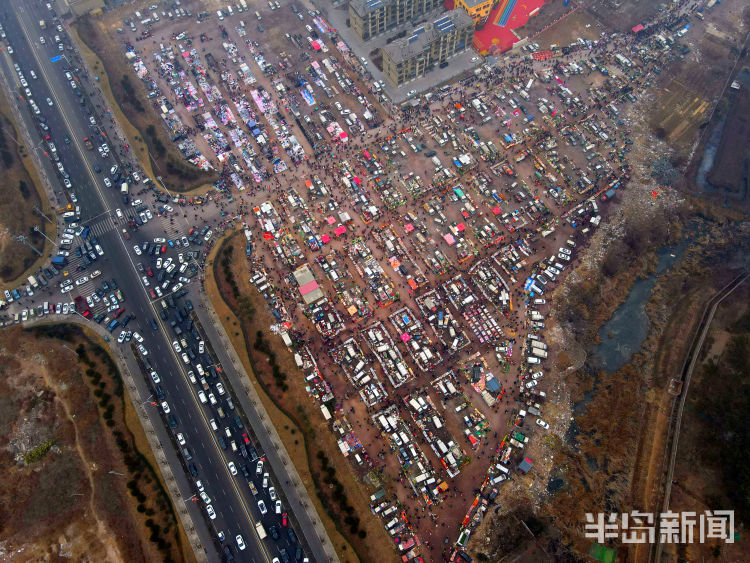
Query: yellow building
(479, 10)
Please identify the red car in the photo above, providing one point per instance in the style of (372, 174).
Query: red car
(284, 520)
(152, 293)
(119, 312)
(244, 437)
(164, 249)
(149, 271)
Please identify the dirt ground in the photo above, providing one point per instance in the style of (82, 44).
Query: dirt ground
(578, 24)
(623, 15)
(295, 403)
(21, 192)
(64, 492)
(548, 13)
(142, 124)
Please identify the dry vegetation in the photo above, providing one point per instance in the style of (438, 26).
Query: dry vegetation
(152, 142)
(20, 193)
(75, 484)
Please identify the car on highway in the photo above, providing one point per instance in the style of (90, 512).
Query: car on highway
(165, 407)
(277, 507)
(220, 388)
(210, 511)
(272, 493)
(202, 348)
(49, 102)
(232, 468)
(176, 346)
(107, 182)
(181, 441)
(205, 497)
(240, 542)
(262, 507)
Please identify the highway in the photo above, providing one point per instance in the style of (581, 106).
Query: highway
(236, 509)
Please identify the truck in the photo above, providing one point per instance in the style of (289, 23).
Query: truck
(539, 353)
(535, 411)
(32, 282)
(124, 188)
(520, 437)
(538, 345)
(42, 24)
(88, 143)
(59, 261)
(261, 530)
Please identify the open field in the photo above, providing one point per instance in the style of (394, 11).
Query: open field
(731, 169)
(21, 192)
(622, 15)
(140, 120)
(76, 483)
(300, 427)
(708, 471)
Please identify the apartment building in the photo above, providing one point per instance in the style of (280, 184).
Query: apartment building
(479, 10)
(428, 46)
(370, 18)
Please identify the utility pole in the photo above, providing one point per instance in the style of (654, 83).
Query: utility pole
(23, 240)
(40, 212)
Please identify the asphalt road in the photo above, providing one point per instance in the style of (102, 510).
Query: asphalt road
(236, 509)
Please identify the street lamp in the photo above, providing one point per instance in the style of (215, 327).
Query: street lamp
(41, 232)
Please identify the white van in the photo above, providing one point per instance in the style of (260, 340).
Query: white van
(219, 15)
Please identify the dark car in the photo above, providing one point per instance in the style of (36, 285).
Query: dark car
(273, 530)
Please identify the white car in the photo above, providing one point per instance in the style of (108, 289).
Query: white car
(232, 468)
(142, 350)
(181, 441)
(278, 507)
(107, 182)
(137, 250)
(240, 542)
(210, 511)
(157, 240)
(138, 337)
(165, 407)
(537, 375)
(145, 281)
(531, 383)
(93, 122)
(67, 183)
(185, 358)
(201, 347)
(262, 507)
(220, 388)
(49, 102)
(541, 423)
(158, 263)
(99, 250)
(564, 257)
(208, 236)
(155, 377)
(83, 280)
(565, 251)
(205, 497)
(176, 346)
(272, 493)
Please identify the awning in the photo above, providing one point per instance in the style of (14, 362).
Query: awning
(325, 239)
(340, 230)
(408, 227)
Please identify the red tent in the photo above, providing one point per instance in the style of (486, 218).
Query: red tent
(340, 230)
(325, 239)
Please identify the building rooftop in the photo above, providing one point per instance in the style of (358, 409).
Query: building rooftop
(407, 47)
(474, 3)
(363, 7)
